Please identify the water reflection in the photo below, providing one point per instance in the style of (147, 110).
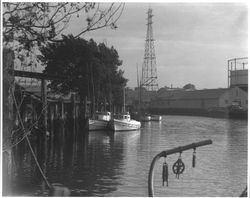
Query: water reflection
(105, 163)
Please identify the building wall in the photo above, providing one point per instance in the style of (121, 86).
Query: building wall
(234, 96)
(186, 103)
(210, 103)
(225, 99)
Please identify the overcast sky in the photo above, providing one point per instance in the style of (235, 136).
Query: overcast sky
(193, 41)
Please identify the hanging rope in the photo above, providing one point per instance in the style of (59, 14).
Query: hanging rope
(165, 172)
(29, 144)
(26, 131)
(194, 158)
(178, 166)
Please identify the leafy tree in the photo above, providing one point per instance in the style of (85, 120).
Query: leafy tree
(92, 69)
(189, 86)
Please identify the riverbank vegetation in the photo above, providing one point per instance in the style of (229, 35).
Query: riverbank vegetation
(92, 69)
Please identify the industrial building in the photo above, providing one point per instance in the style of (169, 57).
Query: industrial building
(207, 101)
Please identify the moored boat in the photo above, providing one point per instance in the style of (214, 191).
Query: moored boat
(100, 122)
(156, 118)
(141, 117)
(145, 118)
(123, 122)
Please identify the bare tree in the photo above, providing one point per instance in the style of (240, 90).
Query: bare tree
(26, 22)
(27, 26)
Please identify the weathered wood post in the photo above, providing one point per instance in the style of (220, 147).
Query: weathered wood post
(8, 121)
(78, 108)
(52, 112)
(73, 100)
(45, 125)
(56, 111)
(85, 107)
(44, 103)
(62, 110)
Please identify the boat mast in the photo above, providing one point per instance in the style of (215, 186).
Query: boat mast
(93, 90)
(139, 88)
(124, 108)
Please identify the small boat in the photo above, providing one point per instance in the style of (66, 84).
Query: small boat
(100, 122)
(156, 118)
(145, 118)
(123, 122)
(141, 117)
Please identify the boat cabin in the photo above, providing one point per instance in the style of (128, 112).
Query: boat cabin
(125, 116)
(103, 116)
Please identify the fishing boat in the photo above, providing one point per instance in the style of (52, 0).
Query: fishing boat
(100, 121)
(123, 122)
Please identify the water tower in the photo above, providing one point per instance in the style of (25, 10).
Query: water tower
(238, 73)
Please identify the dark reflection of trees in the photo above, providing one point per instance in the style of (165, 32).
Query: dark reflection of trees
(27, 177)
(99, 167)
(88, 164)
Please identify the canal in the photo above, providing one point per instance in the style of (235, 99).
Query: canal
(117, 164)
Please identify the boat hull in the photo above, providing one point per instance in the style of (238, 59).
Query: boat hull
(98, 125)
(145, 118)
(156, 118)
(120, 125)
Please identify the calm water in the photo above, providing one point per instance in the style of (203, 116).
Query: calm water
(117, 164)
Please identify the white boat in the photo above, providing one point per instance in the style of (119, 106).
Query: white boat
(100, 122)
(156, 118)
(124, 123)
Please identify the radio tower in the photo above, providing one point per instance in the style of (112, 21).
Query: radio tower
(149, 72)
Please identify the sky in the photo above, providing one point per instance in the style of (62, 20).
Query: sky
(193, 41)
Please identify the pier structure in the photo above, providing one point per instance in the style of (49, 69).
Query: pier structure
(53, 105)
(30, 109)
(149, 70)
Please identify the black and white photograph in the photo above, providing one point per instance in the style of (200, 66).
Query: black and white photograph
(124, 99)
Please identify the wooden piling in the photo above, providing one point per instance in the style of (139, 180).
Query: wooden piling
(56, 111)
(62, 110)
(52, 112)
(8, 119)
(45, 126)
(44, 104)
(73, 100)
(85, 107)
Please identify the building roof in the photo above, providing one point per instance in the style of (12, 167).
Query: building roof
(36, 91)
(133, 95)
(196, 94)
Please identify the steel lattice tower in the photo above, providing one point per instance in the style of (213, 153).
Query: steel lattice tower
(149, 71)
